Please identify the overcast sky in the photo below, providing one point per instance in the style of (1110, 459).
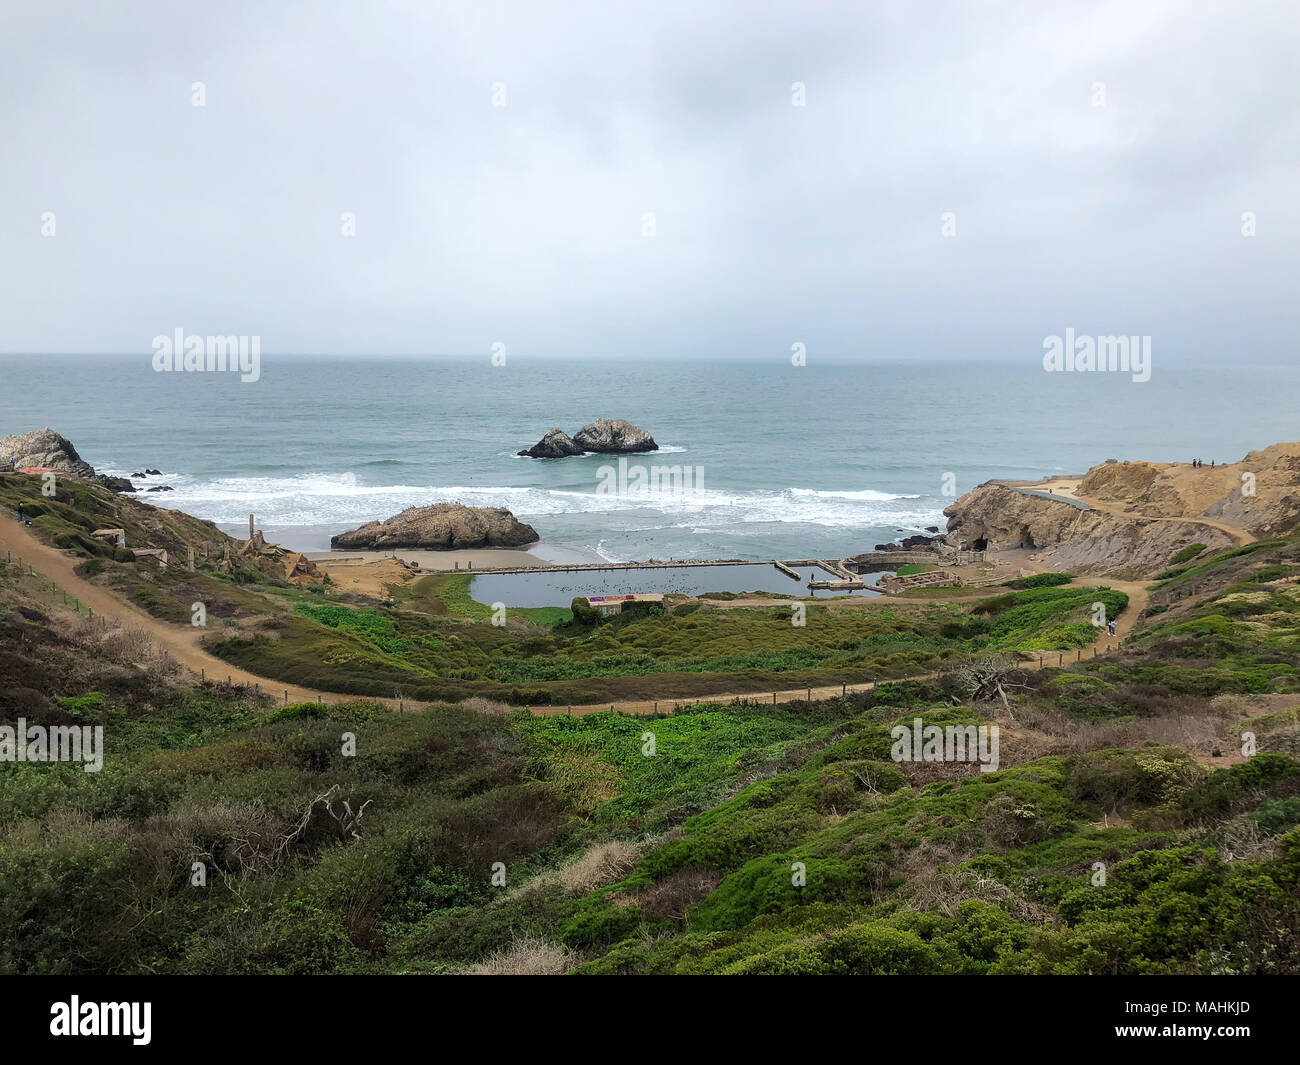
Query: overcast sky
(773, 224)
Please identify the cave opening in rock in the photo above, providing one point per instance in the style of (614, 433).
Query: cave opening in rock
(1026, 538)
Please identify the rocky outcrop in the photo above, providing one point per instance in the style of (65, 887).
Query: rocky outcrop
(912, 543)
(117, 484)
(442, 527)
(44, 449)
(556, 444)
(999, 518)
(607, 436)
(1261, 493)
(1141, 513)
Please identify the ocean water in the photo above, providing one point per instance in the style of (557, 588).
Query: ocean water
(797, 462)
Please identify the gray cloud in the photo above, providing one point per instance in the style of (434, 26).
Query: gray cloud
(774, 224)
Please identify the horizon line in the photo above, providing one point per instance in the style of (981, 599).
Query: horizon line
(895, 360)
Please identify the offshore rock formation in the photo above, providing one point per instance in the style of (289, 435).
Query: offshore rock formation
(605, 436)
(443, 526)
(556, 444)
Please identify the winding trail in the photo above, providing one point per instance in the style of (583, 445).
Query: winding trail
(1069, 487)
(181, 642)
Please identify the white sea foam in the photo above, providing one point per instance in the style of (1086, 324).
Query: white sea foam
(866, 494)
(335, 498)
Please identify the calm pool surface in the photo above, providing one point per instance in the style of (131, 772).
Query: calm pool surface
(557, 588)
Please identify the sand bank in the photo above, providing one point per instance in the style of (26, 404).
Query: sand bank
(470, 559)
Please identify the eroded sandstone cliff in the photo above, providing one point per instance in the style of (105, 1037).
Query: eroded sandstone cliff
(1092, 542)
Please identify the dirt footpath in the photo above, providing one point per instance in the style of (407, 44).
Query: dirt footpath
(181, 642)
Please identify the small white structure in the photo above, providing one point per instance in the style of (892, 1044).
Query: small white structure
(613, 604)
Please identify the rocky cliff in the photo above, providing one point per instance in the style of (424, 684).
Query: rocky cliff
(1261, 493)
(46, 449)
(1068, 538)
(443, 526)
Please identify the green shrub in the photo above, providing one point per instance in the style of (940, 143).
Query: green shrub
(1276, 816)
(301, 939)
(1041, 580)
(1186, 554)
(87, 709)
(285, 713)
(878, 950)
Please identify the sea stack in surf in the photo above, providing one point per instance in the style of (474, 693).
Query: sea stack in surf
(441, 527)
(607, 436)
(604, 436)
(556, 444)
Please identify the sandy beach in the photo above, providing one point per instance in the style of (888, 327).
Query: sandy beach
(426, 559)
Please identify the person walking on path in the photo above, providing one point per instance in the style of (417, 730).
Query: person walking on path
(21, 515)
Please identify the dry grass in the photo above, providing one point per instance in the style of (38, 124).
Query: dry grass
(1039, 731)
(1241, 840)
(601, 864)
(487, 707)
(526, 956)
(674, 894)
(117, 643)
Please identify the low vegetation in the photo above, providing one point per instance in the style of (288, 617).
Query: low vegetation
(1123, 830)
(429, 647)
